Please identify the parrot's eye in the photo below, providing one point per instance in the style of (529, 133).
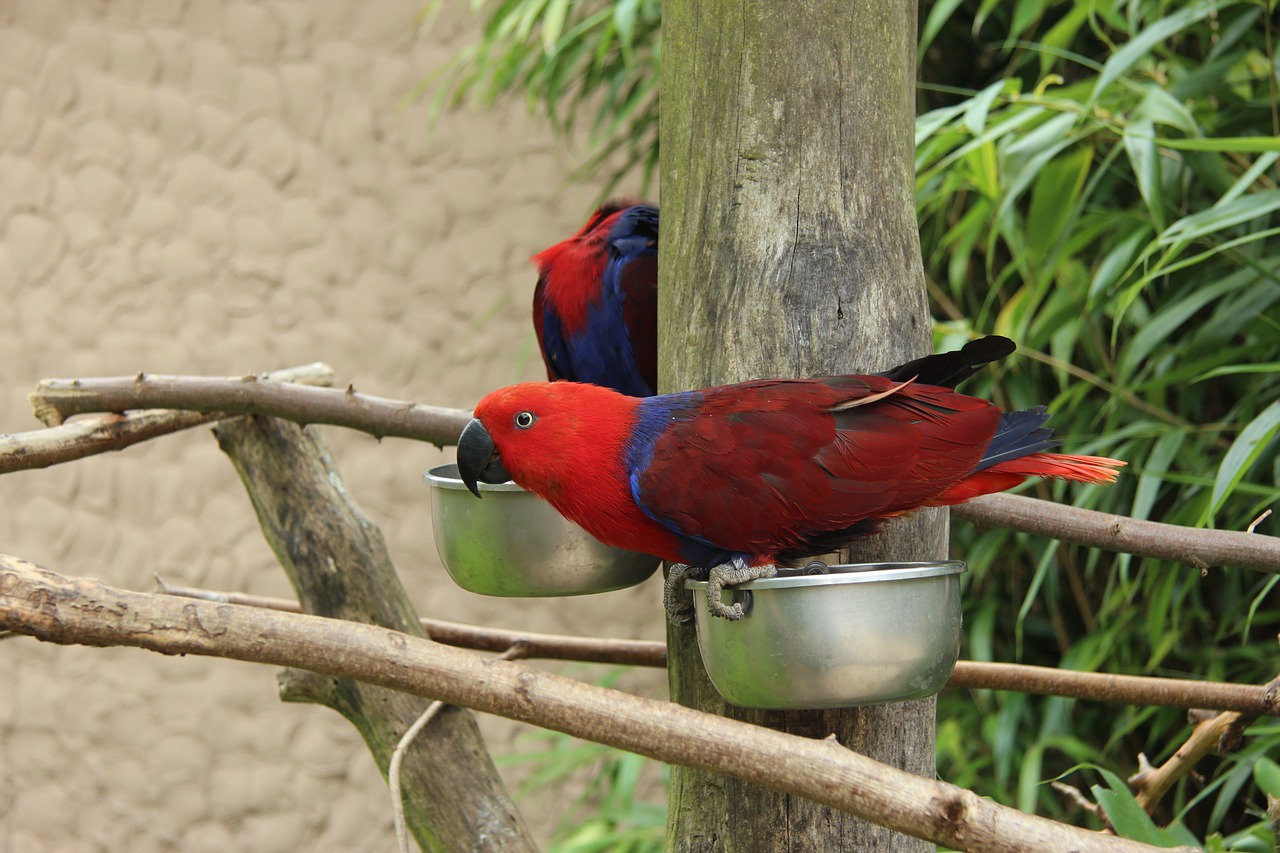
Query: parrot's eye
(524, 420)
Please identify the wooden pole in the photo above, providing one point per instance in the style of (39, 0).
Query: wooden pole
(790, 248)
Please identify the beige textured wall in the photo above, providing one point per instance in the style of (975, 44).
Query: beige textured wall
(219, 187)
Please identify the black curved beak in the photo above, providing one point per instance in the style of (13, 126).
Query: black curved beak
(478, 458)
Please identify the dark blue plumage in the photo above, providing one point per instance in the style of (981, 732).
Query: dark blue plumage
(595, 308)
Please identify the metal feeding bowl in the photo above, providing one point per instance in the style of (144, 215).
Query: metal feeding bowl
(859, 634)
(513, 543)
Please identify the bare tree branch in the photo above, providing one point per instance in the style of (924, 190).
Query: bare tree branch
(1196, 547)
(974, 675)
(57, 399)
(1151, 783)
(86, 611)
(90, 436)
(1128, 689)
(106, 432)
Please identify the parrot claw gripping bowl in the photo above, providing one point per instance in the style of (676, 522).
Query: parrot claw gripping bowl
(859, 634)
(513, 543)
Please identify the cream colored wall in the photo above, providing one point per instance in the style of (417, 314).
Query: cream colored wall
(219, 187)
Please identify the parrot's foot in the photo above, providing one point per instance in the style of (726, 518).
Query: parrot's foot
(732, 574)
(675, 598)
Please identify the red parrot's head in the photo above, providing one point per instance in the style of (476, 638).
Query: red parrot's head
(543, 435)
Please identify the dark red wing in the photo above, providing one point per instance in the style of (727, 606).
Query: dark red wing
(639, 282)
(766, 468)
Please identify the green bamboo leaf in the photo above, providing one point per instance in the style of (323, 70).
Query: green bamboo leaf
(1150, 35)
(1129, 819)
(1236, 369)
(939, 13)
(553, 19)
(1267, 774)
(624, 19)
(1144, 156)
(1061, 34)
(1241, 144)
(1160, 107)
(984, 10)
(934, 121)
(1116, 261)
(1159, 329)
(1025, 14)
(1222, 216)
(1156, 466)
(1055, 197)
(1023, 159)
(1243, 452)
(1246, 180)
(975, 115)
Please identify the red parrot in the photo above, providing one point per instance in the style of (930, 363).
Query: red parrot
(595, 308)
(763, 473)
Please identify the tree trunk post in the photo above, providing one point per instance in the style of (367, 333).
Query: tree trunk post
(338, 563)
(790, 248)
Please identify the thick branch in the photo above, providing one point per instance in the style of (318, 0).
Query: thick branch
(1199, 548)
(974, 675)
(82, 610)
(338, 564)
(1151, 783)
(57, 399)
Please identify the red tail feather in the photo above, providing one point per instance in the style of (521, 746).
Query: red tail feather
(1006, 475)
(1063, 466)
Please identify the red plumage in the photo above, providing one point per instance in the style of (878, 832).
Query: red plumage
(769, 471)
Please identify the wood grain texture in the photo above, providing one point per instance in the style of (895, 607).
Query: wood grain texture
(60, 609)
(338, 563)
(790, 248)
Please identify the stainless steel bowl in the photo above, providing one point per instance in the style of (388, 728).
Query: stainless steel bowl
(863, 633)
(513, 543)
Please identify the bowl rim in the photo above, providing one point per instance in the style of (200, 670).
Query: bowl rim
(446, 476)
(847, 573)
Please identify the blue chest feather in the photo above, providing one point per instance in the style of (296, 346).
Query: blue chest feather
(656, 417)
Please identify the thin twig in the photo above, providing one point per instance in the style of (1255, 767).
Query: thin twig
(1198, 548)
(973, 675)
(57, 399)
(1127, 689)
(397, 756)
(393, 773)
(86, 611)
(1253, 525)
(542, 646)
(1084, 803)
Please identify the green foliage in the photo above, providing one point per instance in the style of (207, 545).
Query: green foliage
(1103, 189)
(1129, 819)
(609, 815)
(568, 57)
(1099, 180)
